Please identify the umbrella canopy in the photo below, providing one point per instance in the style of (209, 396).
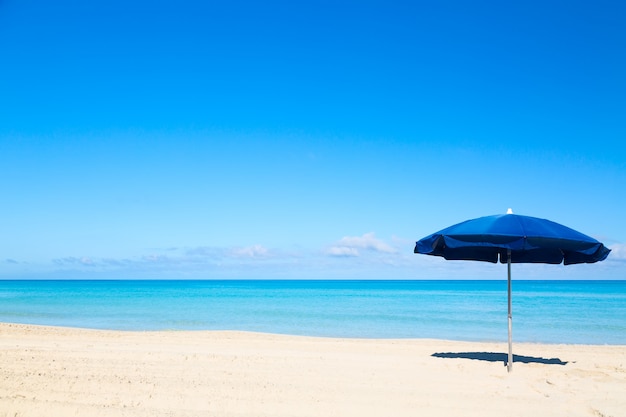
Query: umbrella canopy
(530, 240)
(512, 238)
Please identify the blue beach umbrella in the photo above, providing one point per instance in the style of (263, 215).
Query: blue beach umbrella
(512, 238)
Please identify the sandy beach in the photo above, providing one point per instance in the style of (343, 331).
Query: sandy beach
(63, 372)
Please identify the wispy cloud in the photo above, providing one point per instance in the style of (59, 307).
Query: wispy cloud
(365, 256)
(158, 259)
(342, 251)
(208, 252)
(73, 261)
(202, 259)
(618, 252)
(350, 246)
(252, 252)
(222, 253)
(116, 262)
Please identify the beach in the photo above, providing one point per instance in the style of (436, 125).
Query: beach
(58, 371)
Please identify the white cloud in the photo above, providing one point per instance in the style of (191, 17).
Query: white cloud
(364, 256)
(73, 260)
(342, 251)
(618, 252)
(116, 262)
(156, 258)
(350, 245)
(221, 253)
(255, 251)
(205, 252)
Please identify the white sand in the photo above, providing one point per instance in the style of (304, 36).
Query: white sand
(47, 371)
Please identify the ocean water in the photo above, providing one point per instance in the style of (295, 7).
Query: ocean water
(586, 312)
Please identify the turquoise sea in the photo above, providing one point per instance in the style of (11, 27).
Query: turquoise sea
(587, 312)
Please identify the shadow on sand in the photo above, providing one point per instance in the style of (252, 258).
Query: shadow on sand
(498, 357)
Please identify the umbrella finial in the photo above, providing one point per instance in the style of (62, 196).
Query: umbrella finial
(509, 211)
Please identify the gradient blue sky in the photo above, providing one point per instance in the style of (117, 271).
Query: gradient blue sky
(281, 139)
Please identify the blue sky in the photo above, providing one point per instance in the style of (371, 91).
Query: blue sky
(304, 139)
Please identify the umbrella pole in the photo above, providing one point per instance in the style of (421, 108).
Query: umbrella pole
(509, 365)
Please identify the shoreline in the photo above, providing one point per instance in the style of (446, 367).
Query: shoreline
(45, 328)
(59, 371)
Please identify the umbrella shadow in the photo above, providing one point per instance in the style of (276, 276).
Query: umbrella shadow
(498, 357)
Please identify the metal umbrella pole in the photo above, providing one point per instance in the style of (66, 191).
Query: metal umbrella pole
(509, 365)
